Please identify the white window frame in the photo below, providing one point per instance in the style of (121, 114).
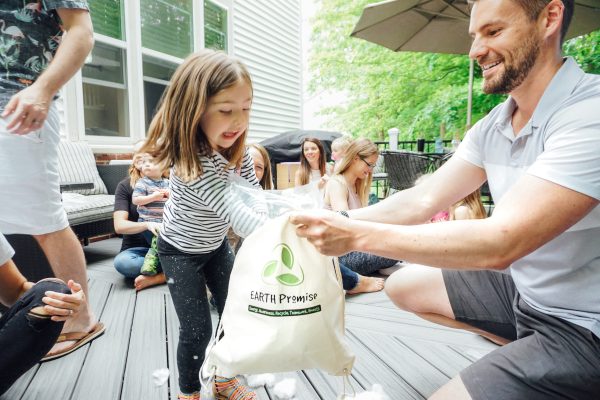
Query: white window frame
(227, 5)
(134, 78)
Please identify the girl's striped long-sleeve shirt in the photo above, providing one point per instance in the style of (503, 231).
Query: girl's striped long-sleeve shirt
(199, 212)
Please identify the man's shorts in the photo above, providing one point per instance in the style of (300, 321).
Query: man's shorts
(29, 178)
(549, 358)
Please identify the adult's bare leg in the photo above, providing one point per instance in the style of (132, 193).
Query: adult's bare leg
(421, 290)
(66, 258)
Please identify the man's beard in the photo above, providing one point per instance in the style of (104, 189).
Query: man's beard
(515, 73)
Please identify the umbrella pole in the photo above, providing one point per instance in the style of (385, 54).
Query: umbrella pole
(470, 94)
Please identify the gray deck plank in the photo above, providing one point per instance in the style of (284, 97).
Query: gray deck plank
(369, 369)
(399, 323)
(16, 391)
(43, 385)
(443, 357)
(304, 390)
(329, 386)
(102, 373)
(147, 350)
(422, 376)
(172, 341)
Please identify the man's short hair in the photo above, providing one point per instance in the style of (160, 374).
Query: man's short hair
(533, 8)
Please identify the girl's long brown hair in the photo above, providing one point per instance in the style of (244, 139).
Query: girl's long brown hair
(174, 136)
(473, 203)
(267, 180)
(362, 148)
(305, 166)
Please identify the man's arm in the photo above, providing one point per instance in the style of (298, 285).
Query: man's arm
(30, 106)
(450, 183)
(532, 212)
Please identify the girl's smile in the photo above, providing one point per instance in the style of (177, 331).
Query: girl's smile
(227, 115)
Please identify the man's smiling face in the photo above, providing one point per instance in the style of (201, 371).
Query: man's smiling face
(506, 44)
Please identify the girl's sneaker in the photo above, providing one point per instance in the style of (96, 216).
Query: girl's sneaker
(232, 389)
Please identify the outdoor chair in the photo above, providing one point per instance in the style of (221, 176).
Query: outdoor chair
(404, 168)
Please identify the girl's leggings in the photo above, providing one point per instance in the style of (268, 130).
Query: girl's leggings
(25, 337)
(187, 277)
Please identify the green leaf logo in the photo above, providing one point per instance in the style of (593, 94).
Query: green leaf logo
(282, 270)
(287, 257)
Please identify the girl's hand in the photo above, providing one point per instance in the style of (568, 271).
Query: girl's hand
(153, 227)
(64, 306)
(166, 193)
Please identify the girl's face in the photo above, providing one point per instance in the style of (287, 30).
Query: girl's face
(336, 155)
(311, 151)
(362, 167)
(150, 169)
(259, 163)
(227, 115)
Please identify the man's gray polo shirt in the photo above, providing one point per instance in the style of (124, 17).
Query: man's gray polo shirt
(560, 144)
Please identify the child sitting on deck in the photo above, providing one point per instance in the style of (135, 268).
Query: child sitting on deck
(150, 193)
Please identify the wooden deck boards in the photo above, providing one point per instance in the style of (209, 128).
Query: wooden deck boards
(408, 356)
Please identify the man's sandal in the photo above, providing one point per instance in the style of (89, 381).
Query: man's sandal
(232, 389)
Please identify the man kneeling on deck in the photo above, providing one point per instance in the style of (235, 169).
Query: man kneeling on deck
(529, 275)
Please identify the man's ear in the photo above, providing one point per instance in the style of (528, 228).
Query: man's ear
(551, 18)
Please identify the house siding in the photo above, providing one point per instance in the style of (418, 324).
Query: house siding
(267, 38)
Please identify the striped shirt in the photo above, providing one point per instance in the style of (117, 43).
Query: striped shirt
(199, 212)
(153, 211)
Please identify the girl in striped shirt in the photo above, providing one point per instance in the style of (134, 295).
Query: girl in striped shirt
(199, 131)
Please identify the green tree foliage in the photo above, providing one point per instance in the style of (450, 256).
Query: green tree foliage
(380, 89)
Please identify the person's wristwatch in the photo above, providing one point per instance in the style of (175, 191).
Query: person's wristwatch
(344, 213)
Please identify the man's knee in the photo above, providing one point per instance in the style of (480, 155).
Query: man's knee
(418, 289)
(402, 288)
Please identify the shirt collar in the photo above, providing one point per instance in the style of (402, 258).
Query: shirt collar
(560, 88)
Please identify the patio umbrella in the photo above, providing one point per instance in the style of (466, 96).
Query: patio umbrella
(441, 26)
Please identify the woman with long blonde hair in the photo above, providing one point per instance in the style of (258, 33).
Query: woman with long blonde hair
(348, 189)
(199, 131)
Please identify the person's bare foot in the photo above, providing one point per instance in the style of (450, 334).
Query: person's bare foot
(82, 320)
(367, 284)
(143, 281)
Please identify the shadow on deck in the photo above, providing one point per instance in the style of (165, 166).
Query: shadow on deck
(408, 356)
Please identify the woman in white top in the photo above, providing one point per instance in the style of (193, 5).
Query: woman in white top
(312, 163)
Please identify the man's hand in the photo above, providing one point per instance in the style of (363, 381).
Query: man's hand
(153, 227)
(28, 109)
(331, 233)
(64, 306)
